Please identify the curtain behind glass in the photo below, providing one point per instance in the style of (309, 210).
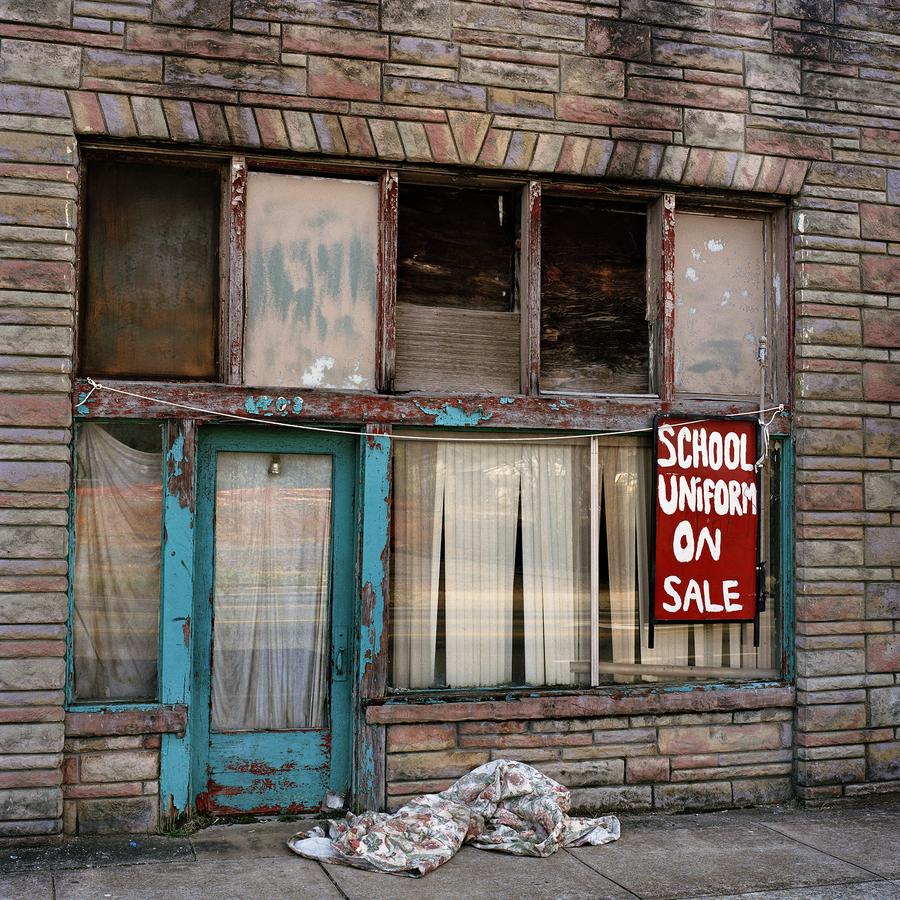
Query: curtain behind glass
(556, 595)
(272, 559)
(118, 509)
(468, 504)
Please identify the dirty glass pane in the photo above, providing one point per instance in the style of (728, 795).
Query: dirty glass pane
(490, 581)
(118, 513)
(150, 298)
(457, 305)
(594, 332)
(272, 581)
(312, 247)
(720, 273)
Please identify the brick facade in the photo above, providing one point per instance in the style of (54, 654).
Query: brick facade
(789, 97)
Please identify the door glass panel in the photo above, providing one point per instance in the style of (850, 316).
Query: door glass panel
(272, 586)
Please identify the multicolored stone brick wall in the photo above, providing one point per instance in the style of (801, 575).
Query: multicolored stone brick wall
(796, 97)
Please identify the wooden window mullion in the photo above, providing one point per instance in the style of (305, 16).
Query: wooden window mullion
(666, 294)
(231, 329)
(530, 287)
(386, 345)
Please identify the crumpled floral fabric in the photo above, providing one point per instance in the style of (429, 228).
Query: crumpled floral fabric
(502, 805)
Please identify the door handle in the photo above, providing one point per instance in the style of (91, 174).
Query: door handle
(339, 662)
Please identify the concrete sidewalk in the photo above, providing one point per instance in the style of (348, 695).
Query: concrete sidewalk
(845, 853)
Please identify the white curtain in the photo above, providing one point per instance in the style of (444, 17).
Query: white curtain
(271, 597)
(418, 513)
(556, 605)
(481, 497)
(621, 472)
(117, 555)
(459, 502)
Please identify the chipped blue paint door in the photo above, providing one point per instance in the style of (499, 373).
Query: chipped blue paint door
(274, 582)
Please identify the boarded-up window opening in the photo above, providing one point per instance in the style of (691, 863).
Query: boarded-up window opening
(595, 337)
(458, 322)
(149, 307)
(311, 290)
(720, 301)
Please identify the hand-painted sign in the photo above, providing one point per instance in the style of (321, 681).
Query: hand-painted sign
(706, 521)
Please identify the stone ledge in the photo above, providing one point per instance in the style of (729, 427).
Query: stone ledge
(161, 720)
(633, 702)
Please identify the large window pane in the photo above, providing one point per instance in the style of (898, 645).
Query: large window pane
(272, 576)
(149, 304)
(458, 325)
(312, 247)
(490, 579)
(595, 337)
(720, 276)
(118, 504)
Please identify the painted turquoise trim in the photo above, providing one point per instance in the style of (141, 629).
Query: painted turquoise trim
(224, 767)
(376, 500)
(177, 579)
(786, 537)
(69, 692)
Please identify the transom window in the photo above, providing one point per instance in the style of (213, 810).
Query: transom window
(379, 283)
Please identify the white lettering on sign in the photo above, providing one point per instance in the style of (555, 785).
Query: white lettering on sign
(706, 521)
(699, 449)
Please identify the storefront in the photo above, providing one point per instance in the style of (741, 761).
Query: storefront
(448, 501)
(337, 348)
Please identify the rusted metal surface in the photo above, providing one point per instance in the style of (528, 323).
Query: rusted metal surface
(344, 408)
(112, 721)
(530, 287)
(149, 301)
(626, 701)
(387, 280)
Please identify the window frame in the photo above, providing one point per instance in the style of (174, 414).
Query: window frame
(780, 533)
(378, 410)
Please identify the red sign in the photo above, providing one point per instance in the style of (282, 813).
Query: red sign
(706, 521)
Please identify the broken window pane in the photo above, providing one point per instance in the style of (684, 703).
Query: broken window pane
(311, 293)
(150, 298)
(118, 529)
(720, 274)
(594, 332)
(457, 306)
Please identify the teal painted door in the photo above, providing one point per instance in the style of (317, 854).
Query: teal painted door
(274, 583)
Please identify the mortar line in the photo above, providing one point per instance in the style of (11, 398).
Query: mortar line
(607, 877)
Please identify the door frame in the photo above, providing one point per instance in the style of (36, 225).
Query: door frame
(237, 438)
(368, 644)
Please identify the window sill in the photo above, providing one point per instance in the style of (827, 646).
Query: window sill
(616, 700)
(100, 721)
